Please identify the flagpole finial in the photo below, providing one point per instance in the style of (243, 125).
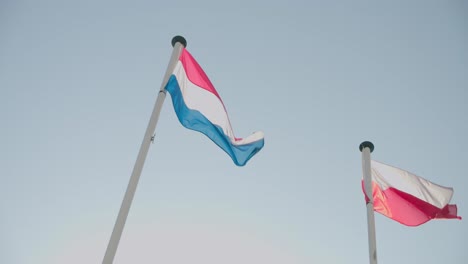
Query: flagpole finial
(366, 144)
(179, 39)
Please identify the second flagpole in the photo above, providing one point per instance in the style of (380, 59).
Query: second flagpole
(366, 148)
(178, 43)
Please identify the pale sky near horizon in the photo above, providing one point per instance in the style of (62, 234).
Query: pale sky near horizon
(78, 80)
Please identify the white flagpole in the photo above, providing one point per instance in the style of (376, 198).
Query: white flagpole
(366, 148)
(178, 43)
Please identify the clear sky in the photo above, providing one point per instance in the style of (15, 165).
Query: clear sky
(78, 80)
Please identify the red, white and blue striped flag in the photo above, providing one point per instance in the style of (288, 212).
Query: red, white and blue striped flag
(199, 107)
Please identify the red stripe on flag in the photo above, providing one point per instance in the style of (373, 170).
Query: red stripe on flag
(406, 208)
(195, 73)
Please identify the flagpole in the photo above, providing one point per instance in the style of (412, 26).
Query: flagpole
(366, 148)
(178, 42)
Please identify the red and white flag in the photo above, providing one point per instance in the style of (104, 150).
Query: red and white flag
(407, 198)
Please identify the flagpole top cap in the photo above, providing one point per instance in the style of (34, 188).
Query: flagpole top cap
(366, 144)
(179, 39)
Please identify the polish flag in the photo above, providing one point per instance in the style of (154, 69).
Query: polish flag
(407, 198)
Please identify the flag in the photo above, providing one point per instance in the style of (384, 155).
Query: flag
(407, 198)
(199, 107)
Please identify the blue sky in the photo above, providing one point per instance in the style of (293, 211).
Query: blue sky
(78, 80)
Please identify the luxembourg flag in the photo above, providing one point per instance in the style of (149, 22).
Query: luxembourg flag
(407, 198)
(199, 107)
